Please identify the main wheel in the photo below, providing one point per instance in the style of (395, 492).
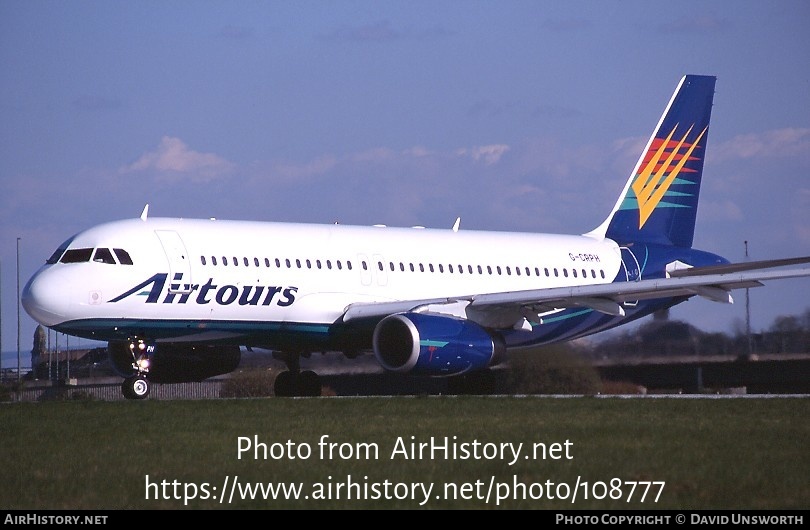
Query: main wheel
(309, 384)
(284, 385)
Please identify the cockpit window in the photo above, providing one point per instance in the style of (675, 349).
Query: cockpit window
(56, 255)
(103, 255)
(59, 251)
(123, 256)
(77, 255)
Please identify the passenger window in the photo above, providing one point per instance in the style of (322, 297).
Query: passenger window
(77, 255)
(123, 256)
(214, 260)
(103, 255)
(202, 260)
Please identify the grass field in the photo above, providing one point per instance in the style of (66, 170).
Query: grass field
(708, 453)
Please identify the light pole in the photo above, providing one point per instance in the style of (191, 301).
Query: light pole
(748, 313)
(1, 326)
(18, 313)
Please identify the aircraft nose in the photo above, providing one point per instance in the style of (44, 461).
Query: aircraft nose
(43, 299)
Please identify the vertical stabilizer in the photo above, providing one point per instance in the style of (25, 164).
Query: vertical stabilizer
(659, 202)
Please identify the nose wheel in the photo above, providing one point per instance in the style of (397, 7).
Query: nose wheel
(135, 387)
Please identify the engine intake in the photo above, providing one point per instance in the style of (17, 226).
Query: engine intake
(438, 345)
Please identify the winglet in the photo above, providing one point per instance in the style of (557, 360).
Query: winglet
(145, 212)
(456, 224)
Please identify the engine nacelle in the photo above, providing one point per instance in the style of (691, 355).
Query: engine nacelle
(176, 363)
(437, 345)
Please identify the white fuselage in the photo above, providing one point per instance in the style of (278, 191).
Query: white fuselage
(205, 271)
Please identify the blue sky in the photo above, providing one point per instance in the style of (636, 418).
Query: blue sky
(514, 115)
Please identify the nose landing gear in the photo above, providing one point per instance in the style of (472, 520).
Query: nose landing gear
(137, 386)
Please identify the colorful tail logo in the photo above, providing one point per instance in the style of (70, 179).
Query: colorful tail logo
(655, 178)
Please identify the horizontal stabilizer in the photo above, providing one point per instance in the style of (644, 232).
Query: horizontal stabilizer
(738, 267)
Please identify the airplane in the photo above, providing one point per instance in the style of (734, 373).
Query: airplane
(176, 299)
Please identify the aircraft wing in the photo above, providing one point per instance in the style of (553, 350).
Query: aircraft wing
(504, 309)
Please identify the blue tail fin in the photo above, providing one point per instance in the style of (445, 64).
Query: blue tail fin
(659, 202)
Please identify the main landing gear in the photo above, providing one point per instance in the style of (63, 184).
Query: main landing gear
(294, 382)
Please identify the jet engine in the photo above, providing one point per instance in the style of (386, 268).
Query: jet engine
(437, 345)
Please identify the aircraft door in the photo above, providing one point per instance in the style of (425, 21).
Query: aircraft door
(631, 269)
(365, 269)
(179, 261)
(379, 269)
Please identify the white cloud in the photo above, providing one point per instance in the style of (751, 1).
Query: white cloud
(378, 154)
(775, 143)
(489, 154)
(174, 159)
